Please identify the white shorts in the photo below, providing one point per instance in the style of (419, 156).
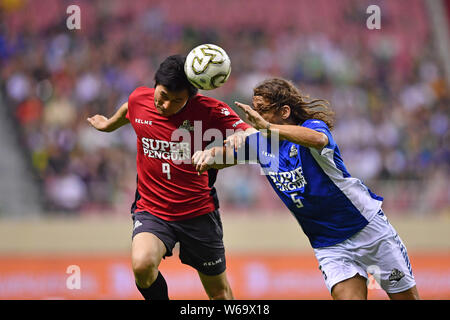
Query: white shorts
(377, 250)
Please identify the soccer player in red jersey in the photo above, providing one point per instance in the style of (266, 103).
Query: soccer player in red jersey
(173, 202)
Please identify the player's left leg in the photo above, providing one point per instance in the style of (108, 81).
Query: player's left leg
(354, 288)
(201, 247)
(410, 294)
(383, 253)
(216, 287)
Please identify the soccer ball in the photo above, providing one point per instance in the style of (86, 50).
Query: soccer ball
(207, 66)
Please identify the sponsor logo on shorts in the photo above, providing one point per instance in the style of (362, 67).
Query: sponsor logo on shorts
(396, 275)
(137, 224)
(212, 263)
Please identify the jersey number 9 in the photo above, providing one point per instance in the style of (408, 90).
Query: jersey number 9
(166, 169)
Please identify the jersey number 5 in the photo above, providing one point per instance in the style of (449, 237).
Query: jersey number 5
(166, 169)
(297, 202)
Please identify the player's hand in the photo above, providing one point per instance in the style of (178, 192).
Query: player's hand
(255, 119)
(236, 140)
(99, 122)
(202, 160)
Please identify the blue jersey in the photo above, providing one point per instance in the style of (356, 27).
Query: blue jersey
(329, 204)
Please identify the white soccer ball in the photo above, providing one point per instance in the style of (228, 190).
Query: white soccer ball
(207, 66)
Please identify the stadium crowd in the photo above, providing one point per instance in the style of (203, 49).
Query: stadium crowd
(386, 87)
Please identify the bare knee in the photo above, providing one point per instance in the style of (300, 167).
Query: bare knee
(351, 289)
(146, 254)
(145, 269)
(143, 263)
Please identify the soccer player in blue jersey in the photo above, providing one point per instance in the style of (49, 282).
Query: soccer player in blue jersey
(342, 218)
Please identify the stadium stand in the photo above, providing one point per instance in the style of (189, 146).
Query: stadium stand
(387, 89)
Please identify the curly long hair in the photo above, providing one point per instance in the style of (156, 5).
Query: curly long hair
(279, 92)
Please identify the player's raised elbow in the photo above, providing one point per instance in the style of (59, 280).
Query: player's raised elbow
(320, 141)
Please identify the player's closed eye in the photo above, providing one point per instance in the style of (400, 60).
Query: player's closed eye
(165, 98)
(261, 109)
(258, 108)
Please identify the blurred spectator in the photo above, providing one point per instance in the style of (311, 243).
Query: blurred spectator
(386, 87)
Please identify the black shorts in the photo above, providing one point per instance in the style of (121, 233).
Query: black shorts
(200, 238)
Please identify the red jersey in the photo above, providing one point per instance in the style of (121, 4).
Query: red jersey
(167, 184)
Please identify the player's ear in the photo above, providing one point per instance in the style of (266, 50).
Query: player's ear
(285, 112)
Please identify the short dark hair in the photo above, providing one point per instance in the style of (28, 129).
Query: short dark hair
(171, 75)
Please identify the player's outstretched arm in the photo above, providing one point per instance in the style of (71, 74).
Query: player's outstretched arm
(237, 139)
(297, 134)
(214, 158)
(102, 123)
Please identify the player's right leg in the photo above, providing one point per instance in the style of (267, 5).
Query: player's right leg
(153, 240)
(345, 279)
(147, 252)
(217, 287)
